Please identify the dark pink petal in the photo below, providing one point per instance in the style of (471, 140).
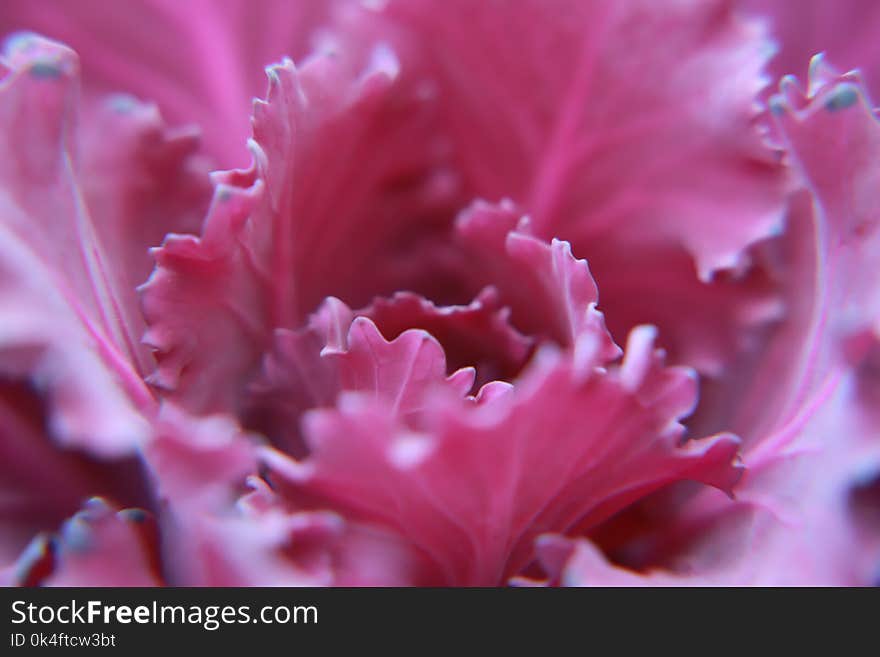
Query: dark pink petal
(296, 377)
(844, 29)
(303, 224)
(475, 484)
(339, 352)
(202, 61)
(478, 334)
(40, 484)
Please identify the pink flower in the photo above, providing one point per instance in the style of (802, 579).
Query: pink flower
(382, 358)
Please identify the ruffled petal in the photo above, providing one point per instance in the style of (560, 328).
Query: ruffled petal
(551, 293)
(479, 334)
(578, 151)
(201, 61)
(833, 247)
(834, 135)
(806, 515)
(476, 482)
(301, 225)
(339, 351)
(141, 179)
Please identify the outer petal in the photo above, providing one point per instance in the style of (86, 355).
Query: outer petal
(474, 485)
(82, 198)
(40, 484)
(834, 135)
(201, 60)
(67, 321)
(95, 547)
(828, 261)
(211, 535)
(808, 503)
(832, 255)
(844, 29)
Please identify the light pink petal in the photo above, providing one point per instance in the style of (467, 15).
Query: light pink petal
(832, 251)
(834, 136)
(68, 322)
(844, 29)
(302, 224)
(474, 486)
(808, 505)
(262, 542)
(243, 551)
(657, 150)
(212, 534)
(78, 212)
(202, 61)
